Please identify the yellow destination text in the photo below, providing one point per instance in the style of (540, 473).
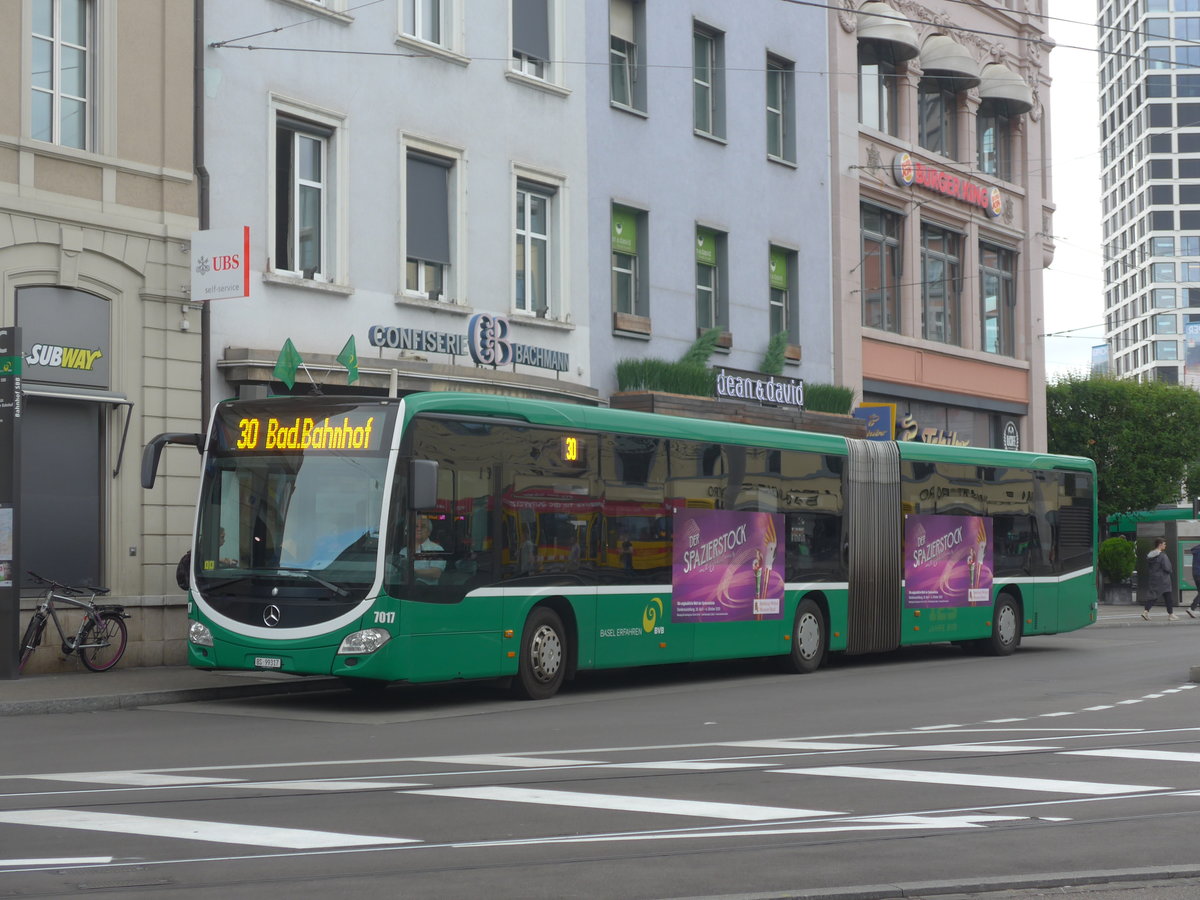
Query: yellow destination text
(309, 434)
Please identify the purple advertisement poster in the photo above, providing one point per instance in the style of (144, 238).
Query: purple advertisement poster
(947, 560)
(726, 566)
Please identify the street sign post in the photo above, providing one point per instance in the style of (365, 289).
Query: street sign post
(10, 449)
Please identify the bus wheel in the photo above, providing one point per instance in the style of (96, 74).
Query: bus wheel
(1006, 628)
(808, 639)
(543, 656)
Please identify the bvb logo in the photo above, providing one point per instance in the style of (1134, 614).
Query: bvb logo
(651, 614)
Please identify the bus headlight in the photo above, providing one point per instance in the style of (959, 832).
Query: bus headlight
(361, 642)
(199, 634)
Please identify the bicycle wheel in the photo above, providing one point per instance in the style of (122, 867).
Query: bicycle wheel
(102, 645)
(33, 637)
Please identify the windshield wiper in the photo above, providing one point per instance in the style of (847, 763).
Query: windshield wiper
(276, 570)
(228, 582)
(340, 591)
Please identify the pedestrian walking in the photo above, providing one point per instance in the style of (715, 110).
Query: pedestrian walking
(1160, 580)
(1195, 607)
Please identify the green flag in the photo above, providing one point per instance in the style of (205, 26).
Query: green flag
(289, 361)
(349, 358)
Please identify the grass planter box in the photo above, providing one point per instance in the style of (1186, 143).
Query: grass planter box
(735, 411)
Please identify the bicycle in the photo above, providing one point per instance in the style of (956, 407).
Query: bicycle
(102, 635)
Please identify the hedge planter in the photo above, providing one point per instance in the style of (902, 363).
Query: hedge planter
(734, 411)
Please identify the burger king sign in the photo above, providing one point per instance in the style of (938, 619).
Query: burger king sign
(909, 172)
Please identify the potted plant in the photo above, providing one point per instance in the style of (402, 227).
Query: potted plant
(1117, 560)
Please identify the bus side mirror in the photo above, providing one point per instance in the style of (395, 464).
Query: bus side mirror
(154, 450)
(422, 483)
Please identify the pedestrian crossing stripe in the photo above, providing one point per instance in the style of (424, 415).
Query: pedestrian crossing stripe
(698, 808)
(134, 779)
(503, 760)
(327, 785)
(1148, 755)
(195, 830)
(802, 745)
(55, 861)
(976, 748)
(1006, 782)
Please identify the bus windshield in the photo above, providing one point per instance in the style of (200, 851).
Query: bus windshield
(292, 499)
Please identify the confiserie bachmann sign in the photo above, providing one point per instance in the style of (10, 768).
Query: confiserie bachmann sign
(774, 389)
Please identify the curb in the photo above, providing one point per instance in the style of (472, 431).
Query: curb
(151, 698)
(317, 684)
(970, 885)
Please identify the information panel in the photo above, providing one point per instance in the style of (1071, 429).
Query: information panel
(292, 429)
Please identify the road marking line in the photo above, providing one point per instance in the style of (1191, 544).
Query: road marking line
(940, 821)
(58, 861)
(522, 762)
(975, 748)
(134, 779)
(1121, 753)
(1002, 721)
(866, 824)
(1055, 715)
(686, 765)
(333, 785)
(1050, 785)
(704, 809)
(193, 830)
(801, 745)
(1098, 708)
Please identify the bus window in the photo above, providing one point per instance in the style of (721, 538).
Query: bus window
(1008, 493)
(1075, 517)
(813, 551)
(949, 489)
(548, 500)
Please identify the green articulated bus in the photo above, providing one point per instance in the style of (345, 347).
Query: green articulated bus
(445, 536)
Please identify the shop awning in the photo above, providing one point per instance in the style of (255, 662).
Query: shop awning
(943, 56)
(87, 395)
(1000, 84)
(879, 24)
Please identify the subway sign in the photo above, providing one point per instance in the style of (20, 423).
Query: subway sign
(909, 172)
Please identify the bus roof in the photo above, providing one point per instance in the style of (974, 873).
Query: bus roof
(597, 418)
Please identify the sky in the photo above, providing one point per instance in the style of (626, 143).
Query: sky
(1073, 284)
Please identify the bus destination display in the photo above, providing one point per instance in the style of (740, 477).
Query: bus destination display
(305, 433)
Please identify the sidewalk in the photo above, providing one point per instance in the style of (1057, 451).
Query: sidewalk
(128, 688)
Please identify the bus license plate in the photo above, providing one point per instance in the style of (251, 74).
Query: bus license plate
(267, 662)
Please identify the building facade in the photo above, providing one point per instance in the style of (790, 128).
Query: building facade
(609, 178)
(413, 175)
(97, 206)
(708, 190)
(1150, 182)
(942, 215)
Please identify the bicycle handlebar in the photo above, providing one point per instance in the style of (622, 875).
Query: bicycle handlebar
(68, 588)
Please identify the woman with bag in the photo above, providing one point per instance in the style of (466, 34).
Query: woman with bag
(1160, 581)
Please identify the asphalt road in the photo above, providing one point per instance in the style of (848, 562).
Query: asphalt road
(919, 774)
